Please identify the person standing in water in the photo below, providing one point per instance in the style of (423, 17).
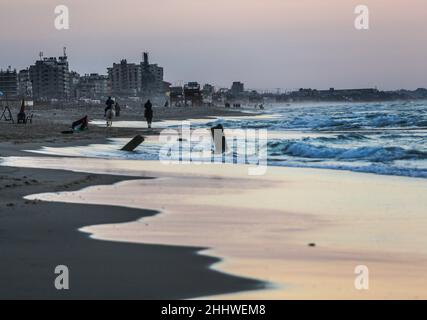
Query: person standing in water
(148, 113)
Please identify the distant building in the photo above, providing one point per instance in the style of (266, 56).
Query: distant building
(152, 78)
(93, 86)
(25, 87)
(349, 91)
(208, 90)
(131, 79)
(176, 95)
(125, 78)
(74, 82)
(193, 94)
(51, 78)
(303, 94)
(237, 88)
(9, 82)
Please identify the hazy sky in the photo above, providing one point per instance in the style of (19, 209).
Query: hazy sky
(265, 43)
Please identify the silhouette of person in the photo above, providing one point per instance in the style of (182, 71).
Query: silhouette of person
(109, 112)
(22, 117)
(110, 104)
(148, 113)
(117, 109)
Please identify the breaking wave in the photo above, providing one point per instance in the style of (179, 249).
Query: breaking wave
(382, 138)
(374, 154)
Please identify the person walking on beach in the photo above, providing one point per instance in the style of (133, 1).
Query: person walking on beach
(148, 113)
(109, 112)
(117, 109)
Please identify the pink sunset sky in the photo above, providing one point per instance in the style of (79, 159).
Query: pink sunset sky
(265, 43)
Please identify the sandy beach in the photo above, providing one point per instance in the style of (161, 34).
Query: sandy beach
(36, 236)
(213, 158)
(261, 227)
(144, 230)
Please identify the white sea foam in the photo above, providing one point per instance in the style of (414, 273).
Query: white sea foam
(383, 138)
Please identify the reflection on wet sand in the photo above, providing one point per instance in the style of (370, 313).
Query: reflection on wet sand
(262, 226)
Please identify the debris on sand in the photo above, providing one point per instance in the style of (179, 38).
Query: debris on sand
(133, 144)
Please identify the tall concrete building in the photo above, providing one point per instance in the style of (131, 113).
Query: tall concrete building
(25, 87)
(93, 86)
(193, 94)
(152, 77)
(131, 79)
(237, 88)
(51, 78)
(9, 82)
(125, 78)
(74, 78)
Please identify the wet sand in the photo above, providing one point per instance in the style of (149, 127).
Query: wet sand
(253, 232)
(37, 236)
(262, 226)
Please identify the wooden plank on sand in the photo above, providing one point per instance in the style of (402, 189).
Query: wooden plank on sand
(133, 144)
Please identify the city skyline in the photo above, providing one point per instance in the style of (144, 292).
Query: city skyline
(284, 45)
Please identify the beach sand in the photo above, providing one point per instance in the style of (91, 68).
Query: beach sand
(261, 226)
(37, 236)
(144, 230)
(50, 121)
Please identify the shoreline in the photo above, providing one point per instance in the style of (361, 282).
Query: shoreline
(237, 225)
(29, 273)
(352, 218)
(36, 236)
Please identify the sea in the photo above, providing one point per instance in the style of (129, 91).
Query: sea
(387, 138)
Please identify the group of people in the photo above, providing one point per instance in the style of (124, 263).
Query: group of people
(113, 108)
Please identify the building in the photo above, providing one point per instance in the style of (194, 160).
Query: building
(308, 94)
(50, 78)
(176, 95)
(74, 82)
(208, 90)
(25, 87)
(9, 83)
(125, 78)
(193, 94)
(136, 80)
(237, 88)
(152, 78)
(93, 86)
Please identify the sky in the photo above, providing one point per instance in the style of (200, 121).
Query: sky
(266, 44)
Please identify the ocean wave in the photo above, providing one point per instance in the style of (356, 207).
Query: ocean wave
(373, 154)
(332, 120)
(376, 168)
(382, 138)
(386, 120)
(340, 138)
